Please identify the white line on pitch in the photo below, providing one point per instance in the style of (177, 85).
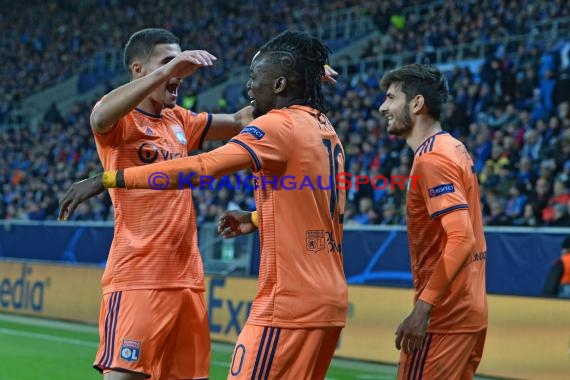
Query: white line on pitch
(52, 338)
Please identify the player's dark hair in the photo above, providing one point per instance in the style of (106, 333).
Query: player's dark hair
(301, 57)
(418, 79)
(141, 43)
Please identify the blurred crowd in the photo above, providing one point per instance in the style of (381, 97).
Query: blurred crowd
(512, 110)
(70, 37)
(451, 23)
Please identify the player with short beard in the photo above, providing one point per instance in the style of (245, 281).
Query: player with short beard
(444, 335)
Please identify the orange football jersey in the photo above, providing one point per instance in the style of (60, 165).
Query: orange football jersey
(155, 242)
(447, 183)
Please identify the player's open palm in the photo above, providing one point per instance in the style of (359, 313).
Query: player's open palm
(187, 62)
(234, 223)
(77, 193)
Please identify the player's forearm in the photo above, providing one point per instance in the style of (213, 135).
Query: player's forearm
(226, 126)
(167, 175)
(458, 249)
(180, 173)
(124, 99)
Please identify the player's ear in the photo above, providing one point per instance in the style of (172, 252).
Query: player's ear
(279, 85)
(136, 69)
(418, 102)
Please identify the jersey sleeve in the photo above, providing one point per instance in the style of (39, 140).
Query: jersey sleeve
(116, 135)
(185, 172)
(195, 126)
(440, 184)
(268, 140)
(460, 241)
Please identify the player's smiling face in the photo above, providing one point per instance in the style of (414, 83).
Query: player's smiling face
(166, 94)
(396, 109)
(260, 86)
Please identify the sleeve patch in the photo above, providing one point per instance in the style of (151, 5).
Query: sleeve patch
(441, 189)
(254, 131)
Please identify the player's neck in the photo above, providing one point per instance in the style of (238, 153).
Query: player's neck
(422, 130)
(290, 101)
(151, 107)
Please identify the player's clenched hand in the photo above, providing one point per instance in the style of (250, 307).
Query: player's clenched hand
(411, 332)
(187, 62)
(234, 223)
(330, 75)
(77, 193)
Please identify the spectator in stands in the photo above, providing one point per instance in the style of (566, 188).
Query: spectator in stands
(366, 214)
(557, 282)
(541, 195)
(560, 216)
(560, 196)
(497, 215)
(532, 144)
(530, 218)
(526, 173)
(390, 214)
(517, 201)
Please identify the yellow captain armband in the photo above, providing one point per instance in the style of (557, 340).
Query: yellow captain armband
(254, 220)
(110, 179)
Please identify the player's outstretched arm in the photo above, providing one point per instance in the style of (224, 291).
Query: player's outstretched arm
(237, 222)
(182, 173)
(125, 98)
(226, 126)
(179, 174)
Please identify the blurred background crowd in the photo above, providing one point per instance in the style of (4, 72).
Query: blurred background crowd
(511, 109)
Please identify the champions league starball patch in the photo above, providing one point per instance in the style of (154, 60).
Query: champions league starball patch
(130, 350)
(179, 134)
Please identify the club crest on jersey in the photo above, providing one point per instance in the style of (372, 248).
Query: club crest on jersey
(179, 134)
(130, 350)
(254, 131)
(315, 240)
(441, 189)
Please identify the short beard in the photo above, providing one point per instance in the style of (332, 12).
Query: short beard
(402, 123)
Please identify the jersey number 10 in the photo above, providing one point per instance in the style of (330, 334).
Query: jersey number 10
(333, 153)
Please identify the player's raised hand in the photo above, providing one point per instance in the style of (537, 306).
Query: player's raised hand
(77, 193)
(234, 223)
(330, 75)
(187, 62)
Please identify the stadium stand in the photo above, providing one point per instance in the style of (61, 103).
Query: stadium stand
(509, 73)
